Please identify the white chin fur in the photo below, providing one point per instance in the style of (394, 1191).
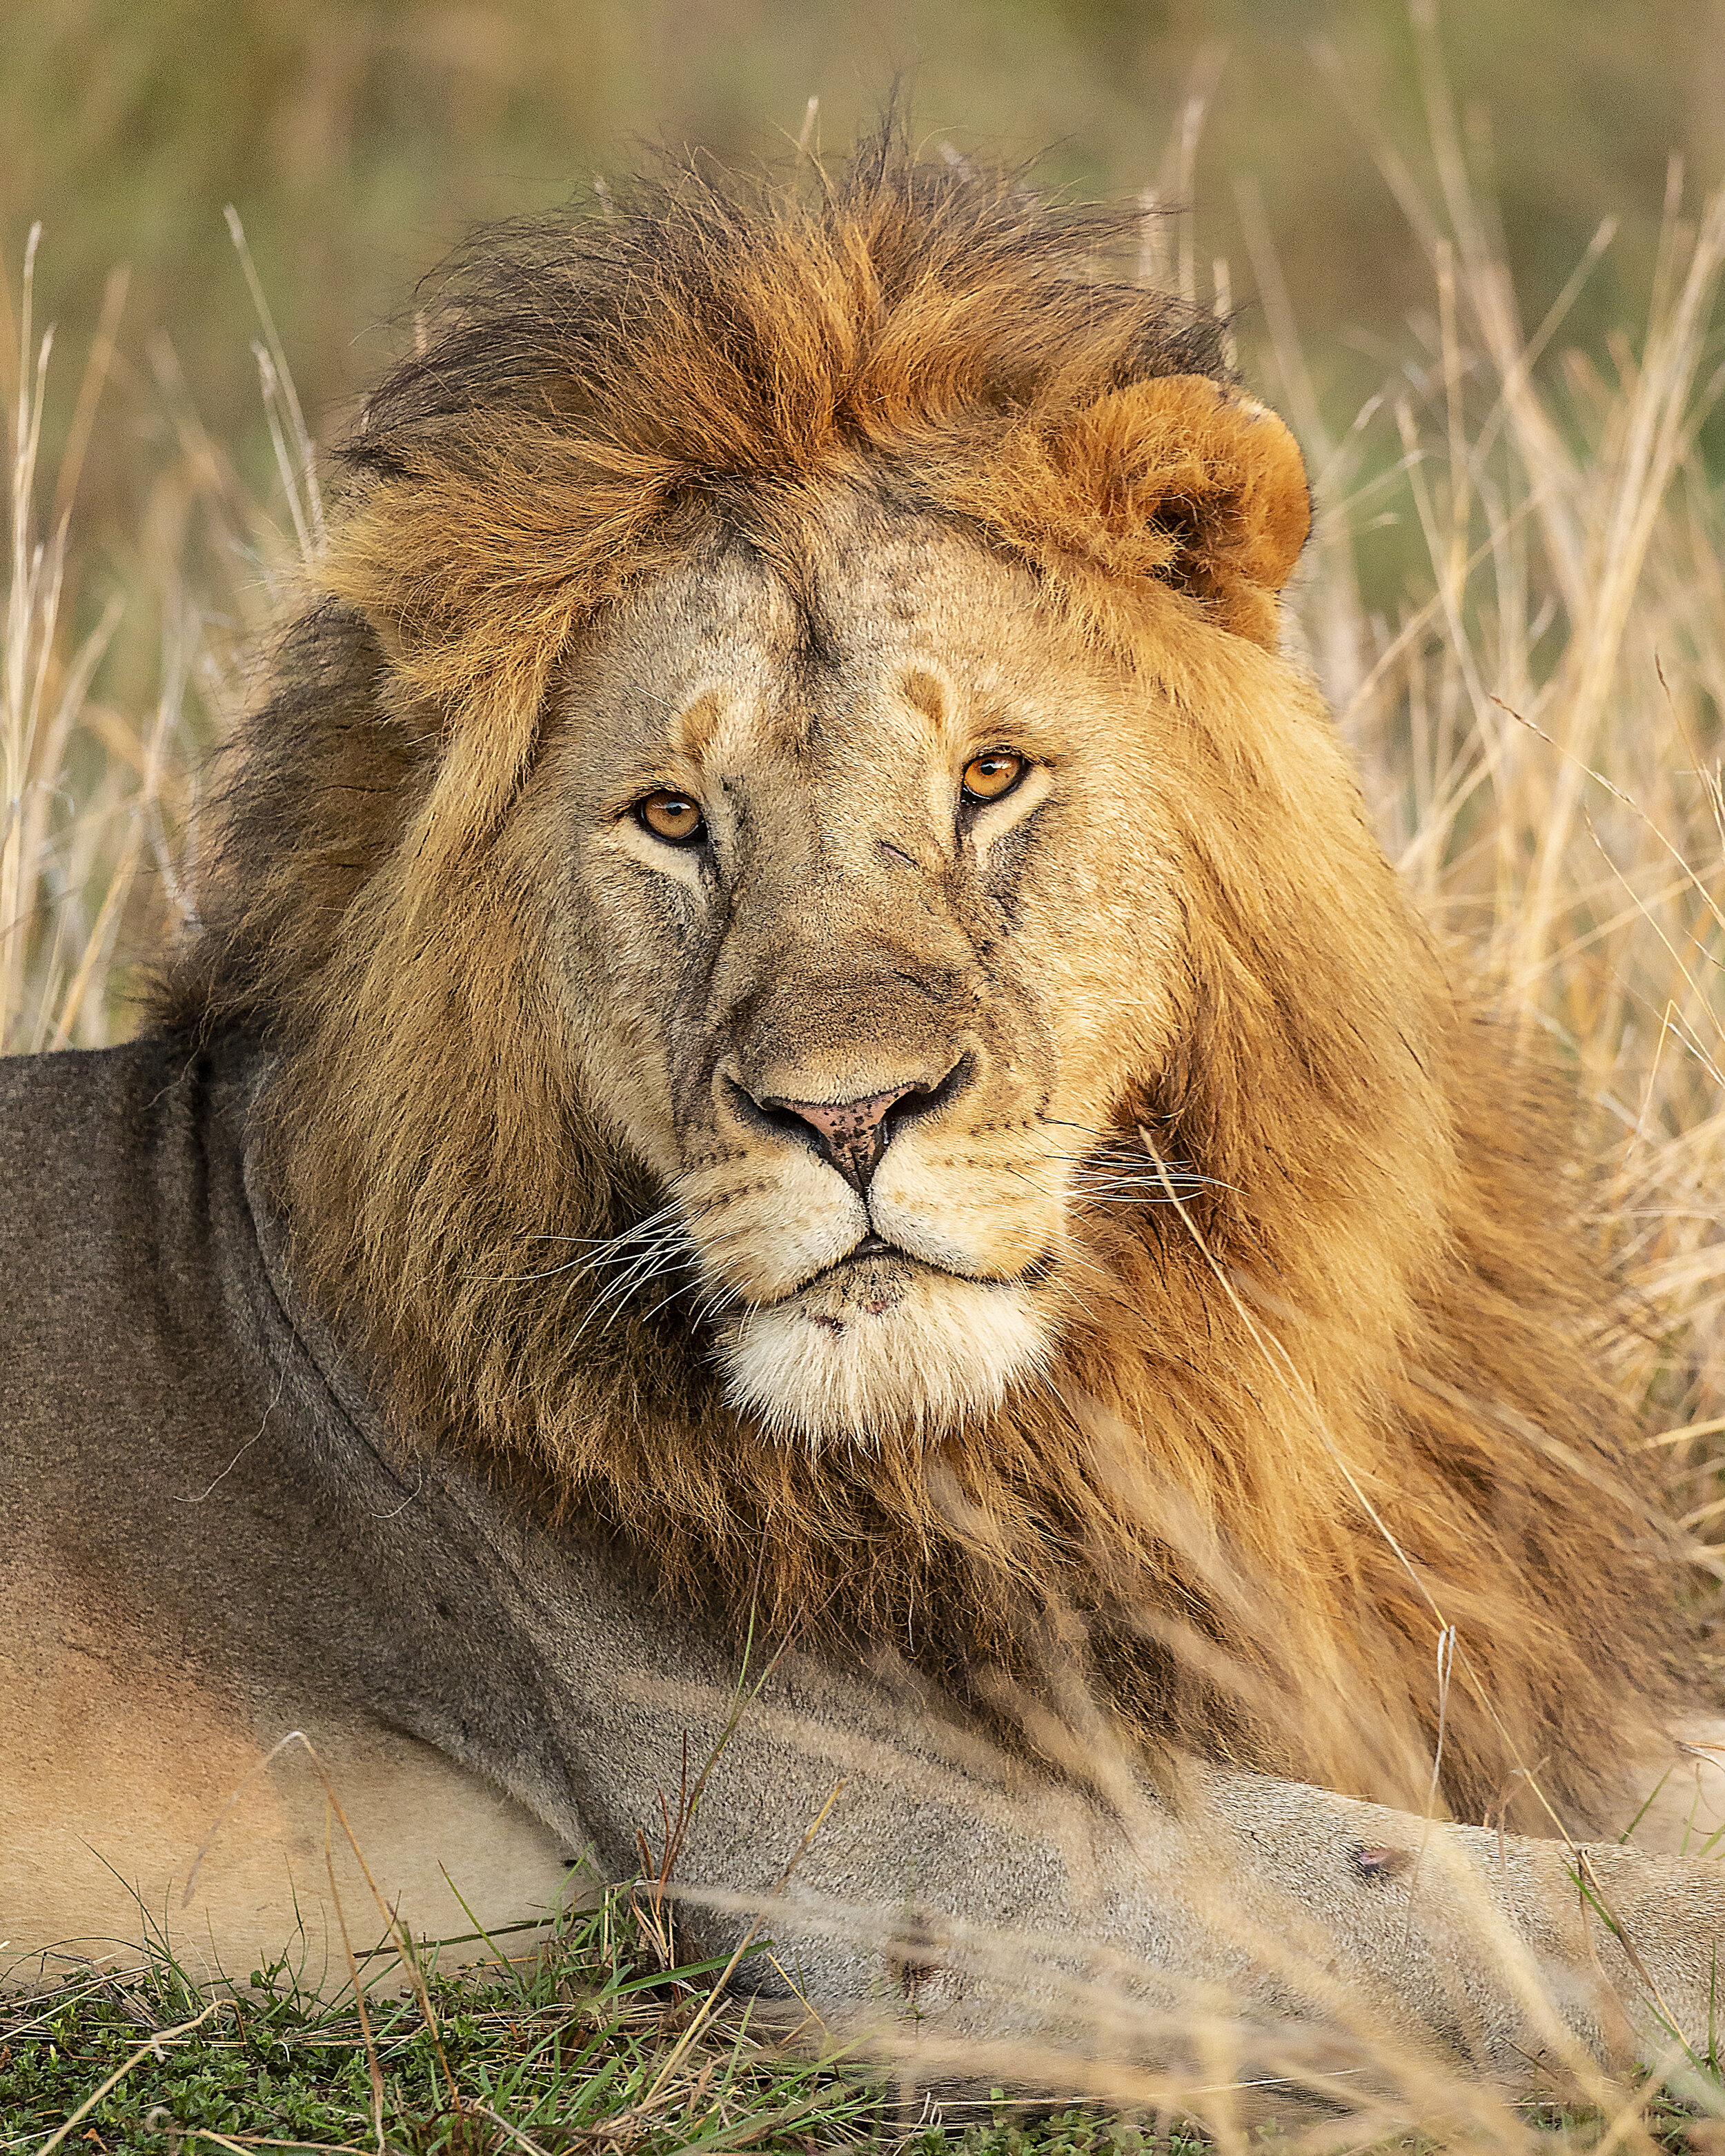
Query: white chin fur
(868, 1361)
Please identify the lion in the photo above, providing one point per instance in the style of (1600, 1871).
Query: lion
(795, 1034)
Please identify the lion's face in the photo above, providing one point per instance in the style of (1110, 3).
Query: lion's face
(866, 921)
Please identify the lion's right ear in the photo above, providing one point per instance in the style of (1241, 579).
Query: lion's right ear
(1179, 480)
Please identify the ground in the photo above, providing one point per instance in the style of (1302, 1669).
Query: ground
(581, 2041)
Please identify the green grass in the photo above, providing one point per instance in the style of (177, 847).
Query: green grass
(584, 2041)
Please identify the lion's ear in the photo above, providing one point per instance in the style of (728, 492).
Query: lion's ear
(1179, 480)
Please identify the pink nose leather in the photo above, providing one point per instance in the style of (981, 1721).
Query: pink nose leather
(848, 1131)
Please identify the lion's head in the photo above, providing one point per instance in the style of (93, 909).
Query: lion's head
(867, 923)
(834, 1002)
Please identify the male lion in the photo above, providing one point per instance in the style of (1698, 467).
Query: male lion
(796, 1032)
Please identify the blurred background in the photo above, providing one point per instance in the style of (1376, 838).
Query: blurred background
(358, 141)
(1473, 252)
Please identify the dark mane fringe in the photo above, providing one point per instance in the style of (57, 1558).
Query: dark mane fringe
(599, 310)
(1243, 1560)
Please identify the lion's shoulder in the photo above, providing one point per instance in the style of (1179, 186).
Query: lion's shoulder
(122, 1218)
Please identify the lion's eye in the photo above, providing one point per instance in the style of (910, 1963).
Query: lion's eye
(987, 778)
(672, 816)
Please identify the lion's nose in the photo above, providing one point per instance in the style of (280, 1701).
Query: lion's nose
(852, 1134)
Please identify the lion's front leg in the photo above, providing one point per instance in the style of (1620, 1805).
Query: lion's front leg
(1260, 1936)
(1528, 1958)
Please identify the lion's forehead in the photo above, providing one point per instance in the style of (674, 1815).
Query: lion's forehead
(892, 645)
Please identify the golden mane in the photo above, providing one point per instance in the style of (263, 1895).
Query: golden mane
(1242, 1512)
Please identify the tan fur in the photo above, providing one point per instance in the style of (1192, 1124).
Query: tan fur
(139, 1803)
(1236, 1462)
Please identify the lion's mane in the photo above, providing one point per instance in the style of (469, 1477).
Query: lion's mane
(1350, 1398)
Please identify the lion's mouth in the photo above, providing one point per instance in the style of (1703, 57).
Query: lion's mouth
(873, 1273)
(868, 1280)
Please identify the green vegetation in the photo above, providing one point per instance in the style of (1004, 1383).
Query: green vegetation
(584, 2040)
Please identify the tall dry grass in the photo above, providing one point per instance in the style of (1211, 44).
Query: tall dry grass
(98, 829)
(1541, 723)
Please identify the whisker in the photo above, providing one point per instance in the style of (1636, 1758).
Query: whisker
(1129, 1197)
(1117, 1149)
(636, 1254)
(719, 1296)
(616, 1292)
(660, 1228)
(664, 1302)
(649, 1267)
(669, 1212)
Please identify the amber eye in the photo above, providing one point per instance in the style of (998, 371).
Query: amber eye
(987, 778)
(672, 816)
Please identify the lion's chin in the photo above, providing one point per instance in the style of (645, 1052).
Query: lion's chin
(877, 1351)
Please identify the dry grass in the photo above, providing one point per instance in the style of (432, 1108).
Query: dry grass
(1540, 725)
(1541, 722)
(100, 759)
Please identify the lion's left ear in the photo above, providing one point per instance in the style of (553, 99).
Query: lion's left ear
(1179, 480)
